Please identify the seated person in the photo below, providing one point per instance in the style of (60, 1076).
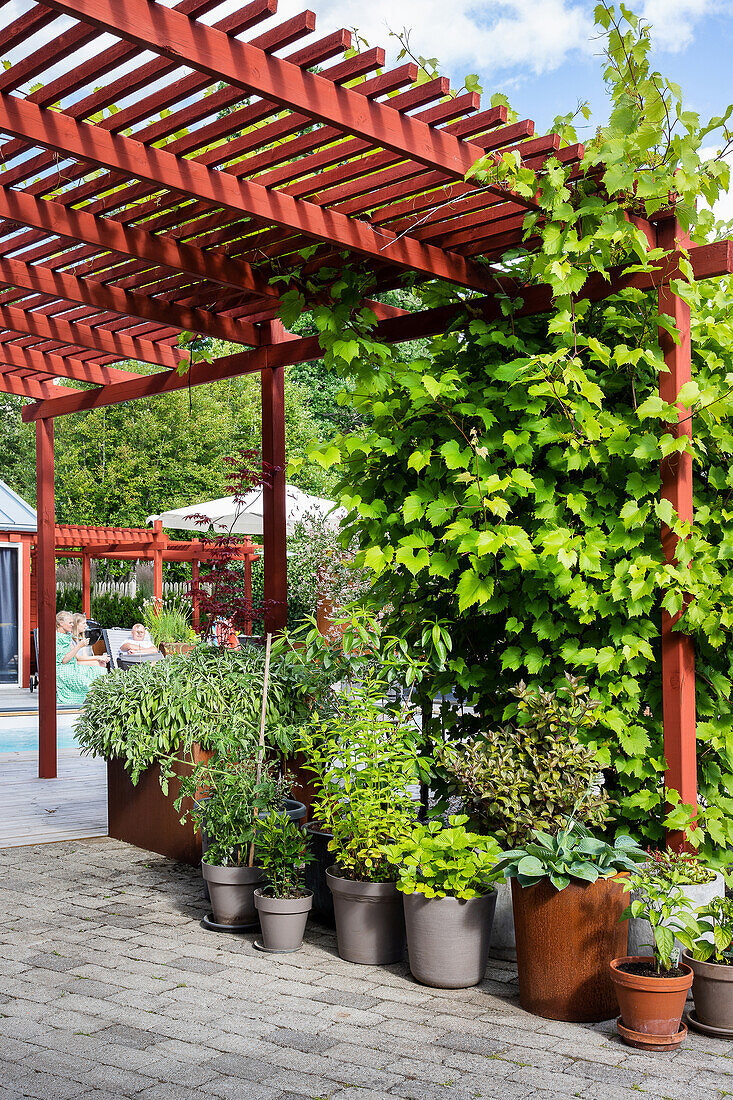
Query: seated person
(79, 634)
(73, 679)
(138, 642)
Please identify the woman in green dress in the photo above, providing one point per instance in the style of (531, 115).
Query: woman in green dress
(73, 680)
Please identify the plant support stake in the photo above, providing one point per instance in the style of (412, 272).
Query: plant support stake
(261, 747)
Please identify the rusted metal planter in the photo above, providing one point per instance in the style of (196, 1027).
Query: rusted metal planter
(566, 940)
(146, 817)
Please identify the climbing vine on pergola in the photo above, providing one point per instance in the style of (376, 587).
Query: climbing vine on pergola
(191, 190)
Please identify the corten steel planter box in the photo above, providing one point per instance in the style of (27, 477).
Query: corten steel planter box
(146, 817)
(448, 939)
(370, 920)
(566, 940)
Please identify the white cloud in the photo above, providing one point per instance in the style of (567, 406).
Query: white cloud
(673, 21)
(488, 36)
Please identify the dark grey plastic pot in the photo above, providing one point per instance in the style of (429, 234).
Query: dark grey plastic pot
(231, 890)
(282, 921)
(712, 991)
(448, 939)
(370, 920)
(315, 873)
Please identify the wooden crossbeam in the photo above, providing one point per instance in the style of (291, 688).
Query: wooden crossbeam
(189, 42)
(35, 323)
(708, 261)
(110, 235)
(28, 387)
(56, 130)
(102, 296)
(62, 366)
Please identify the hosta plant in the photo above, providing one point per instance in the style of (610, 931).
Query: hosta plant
(442, 862)
(533, 771)
(668, 912)
(571, 853)
(714, 933)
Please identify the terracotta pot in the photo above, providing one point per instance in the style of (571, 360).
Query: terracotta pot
(566, 940)
(370, 920)
(712, 990)
(651, 1006)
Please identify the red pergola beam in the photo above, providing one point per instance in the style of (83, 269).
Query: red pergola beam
(189, 42)
(708, 261)
(56, 130)
(90, 292)
(112, 236)
(28, 387)
(15, 356)
(35, 323)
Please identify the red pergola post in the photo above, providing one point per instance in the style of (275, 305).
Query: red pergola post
(86, 585)
(273, 488)
(195, 616)
(158, 565)
(248, 592)
(46, 590)
(678, 651)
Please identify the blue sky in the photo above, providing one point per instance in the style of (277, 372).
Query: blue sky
(541, 53)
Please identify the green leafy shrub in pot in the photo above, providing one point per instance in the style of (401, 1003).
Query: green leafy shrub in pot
(227, 795)
(534, 771)
(441, 862)
(668, 912)
(363, 761)
(446, 878)
(680, 868)
(147, 714)
(698, 882)
(283, 905)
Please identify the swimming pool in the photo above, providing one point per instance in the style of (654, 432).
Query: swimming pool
(19, 733)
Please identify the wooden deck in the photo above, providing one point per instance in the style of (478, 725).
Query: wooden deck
(39, 811)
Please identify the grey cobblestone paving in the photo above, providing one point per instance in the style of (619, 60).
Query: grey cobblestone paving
(110, 988)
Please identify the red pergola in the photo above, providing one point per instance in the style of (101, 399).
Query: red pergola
(117, 544)
(157, 181)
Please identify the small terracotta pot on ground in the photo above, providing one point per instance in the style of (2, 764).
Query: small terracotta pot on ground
(651, 1006)
(566, 940)
(448, 939)
(231, 890)
(712, 990)
(370, 920)
(282, 921)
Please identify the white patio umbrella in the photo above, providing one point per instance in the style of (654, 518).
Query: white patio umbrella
(245, 518)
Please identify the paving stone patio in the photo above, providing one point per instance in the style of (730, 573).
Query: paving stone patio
(110, 988)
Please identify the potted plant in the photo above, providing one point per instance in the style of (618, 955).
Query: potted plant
(531, 773)
(652, 989)
(284, 903)
(169, 627)
(711, 961)
(698, 882)
(363, 763)
(567, 894)
(228, 793)
(446, 877)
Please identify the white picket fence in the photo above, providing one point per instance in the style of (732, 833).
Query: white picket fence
(128, 588)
